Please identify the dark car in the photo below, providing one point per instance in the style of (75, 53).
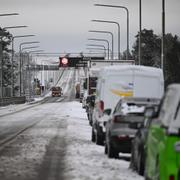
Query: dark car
(138, 144)
(56, 91)
(121, 128)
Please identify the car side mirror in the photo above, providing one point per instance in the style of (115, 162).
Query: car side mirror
(107, 111)
(151, 112)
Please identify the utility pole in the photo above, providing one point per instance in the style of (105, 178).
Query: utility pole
(140, 29)
(163, 34)
(1, 61)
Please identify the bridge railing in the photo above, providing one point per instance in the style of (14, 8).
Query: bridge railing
(12, 100)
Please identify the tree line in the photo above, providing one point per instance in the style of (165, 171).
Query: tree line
(151, 54)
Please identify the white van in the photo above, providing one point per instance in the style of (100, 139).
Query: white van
(115, 82)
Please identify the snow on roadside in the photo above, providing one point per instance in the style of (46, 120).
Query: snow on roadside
(85, 160)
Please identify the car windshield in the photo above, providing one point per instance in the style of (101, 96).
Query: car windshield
(55, 88)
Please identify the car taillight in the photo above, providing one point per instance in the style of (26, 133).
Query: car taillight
(101, 105)
(171, 177)
(117, 119)
(123, 137)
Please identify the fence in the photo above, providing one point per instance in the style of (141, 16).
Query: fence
(12, 100)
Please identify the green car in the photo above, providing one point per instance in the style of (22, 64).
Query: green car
(163, 141)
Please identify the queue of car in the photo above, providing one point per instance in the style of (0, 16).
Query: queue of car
(129, 115)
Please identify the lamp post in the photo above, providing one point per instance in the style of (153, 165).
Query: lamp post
(104, 40)
(12, 71)
(140, 29)
(112, 22)
(1, 53)
(100, 49)
(12, 56)
(127, 11)
(10, 14)
(20, 53)
(31, 47)
(97, 45)
(163, 35)
(107, 32)
(13, 27)
(28, 66)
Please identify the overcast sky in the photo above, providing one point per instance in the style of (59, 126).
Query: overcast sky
(62, 25)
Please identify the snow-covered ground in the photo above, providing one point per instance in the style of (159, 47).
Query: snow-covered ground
(83, 159)
(61, 124)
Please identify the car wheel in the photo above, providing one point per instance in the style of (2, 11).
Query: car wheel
(99, 140)
(112, 153)
(93, 138)
(105, 149)
(132, 163)
(140, 164)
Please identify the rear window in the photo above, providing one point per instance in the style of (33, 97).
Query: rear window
(134, 117)
(55, 88)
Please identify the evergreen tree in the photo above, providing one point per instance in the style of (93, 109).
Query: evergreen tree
(6, 62)
(151, 54)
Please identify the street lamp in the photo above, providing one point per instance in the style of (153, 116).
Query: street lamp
(106, 32)
(127, 11)
(97, 45)
(140, 29)
(104, 40)
(10, 14)
(101, 49)
(163, 34)
(12, 56)
(20, 51)
(31, 47)
(28, 65)
(1, 54)
(13, 27)
(112, 22)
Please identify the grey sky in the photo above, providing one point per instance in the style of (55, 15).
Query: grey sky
(62, 25)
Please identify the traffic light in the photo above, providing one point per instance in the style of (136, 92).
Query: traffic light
(63, 62)
(69, 61)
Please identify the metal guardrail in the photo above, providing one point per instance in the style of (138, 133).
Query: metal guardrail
(12, 100)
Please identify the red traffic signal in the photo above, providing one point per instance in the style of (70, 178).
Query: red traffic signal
(63, 62)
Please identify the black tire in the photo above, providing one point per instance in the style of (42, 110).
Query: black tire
(140, 164)
(93, 137)
(105, 149)
(99, 140)
(111, 152)
(132, 164)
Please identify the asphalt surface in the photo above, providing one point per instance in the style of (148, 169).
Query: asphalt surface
(35, 140)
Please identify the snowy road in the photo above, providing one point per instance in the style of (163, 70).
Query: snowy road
(58, 148)
(58, 145)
